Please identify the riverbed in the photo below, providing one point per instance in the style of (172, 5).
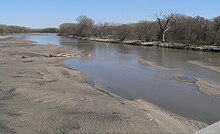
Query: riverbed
(167, 81)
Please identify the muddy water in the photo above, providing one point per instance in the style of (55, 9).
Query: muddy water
(118, 68)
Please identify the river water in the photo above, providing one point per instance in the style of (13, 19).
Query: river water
(116, 67)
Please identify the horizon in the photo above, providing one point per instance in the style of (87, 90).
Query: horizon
(46, 13)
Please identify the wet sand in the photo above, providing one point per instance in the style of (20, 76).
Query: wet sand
(208, 87)
(152, 64)
(38, 94)
(214, 68)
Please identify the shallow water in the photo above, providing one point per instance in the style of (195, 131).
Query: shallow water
(116, 67)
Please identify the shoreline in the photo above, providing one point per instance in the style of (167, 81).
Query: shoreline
(39, 94)
(8, 40)
(205, 48)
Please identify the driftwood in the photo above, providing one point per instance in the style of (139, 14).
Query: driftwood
(67, 55)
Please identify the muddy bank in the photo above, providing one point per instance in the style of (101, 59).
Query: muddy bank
(211, 48)
(38, 94)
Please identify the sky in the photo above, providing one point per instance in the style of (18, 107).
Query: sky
(52, 13)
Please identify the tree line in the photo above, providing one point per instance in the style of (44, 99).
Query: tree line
(5, 29)
(170, 27)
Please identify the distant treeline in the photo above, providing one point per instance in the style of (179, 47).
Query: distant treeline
(46, 30)
(171, 27)
(4, 29)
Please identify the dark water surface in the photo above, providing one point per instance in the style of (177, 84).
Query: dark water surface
(117, 68)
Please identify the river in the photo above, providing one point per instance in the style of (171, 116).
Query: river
(117, 68)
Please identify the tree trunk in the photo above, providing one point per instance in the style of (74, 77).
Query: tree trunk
(163, 34)
(163, 37)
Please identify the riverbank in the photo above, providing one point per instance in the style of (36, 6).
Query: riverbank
(38, 94)
(8, 40)
(4, 37)
(210, 48)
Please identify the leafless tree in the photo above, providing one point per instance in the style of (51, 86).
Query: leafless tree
(215, 31)
(105, 30)
(166, 22)
(85, 26)
(144, 30)
(198, 30)
(172, 27)
(122, 32)
(68, 29)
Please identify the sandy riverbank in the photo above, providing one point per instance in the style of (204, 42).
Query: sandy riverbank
(7, 40)
(3, 37)
(38, 94)
(214, 68)
(207, 87)
(152, 64)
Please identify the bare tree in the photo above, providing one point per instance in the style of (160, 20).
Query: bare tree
(144, 30)
(215, 31)
(165, 22)
(104, 30)
(197, 30)
(122, 32)
(85, 26)
(68, 29)
(172, 27)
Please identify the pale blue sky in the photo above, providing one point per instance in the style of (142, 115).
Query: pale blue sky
(51, 13)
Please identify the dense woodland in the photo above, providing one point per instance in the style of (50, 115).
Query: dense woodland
(176, 28)
(171, 27)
